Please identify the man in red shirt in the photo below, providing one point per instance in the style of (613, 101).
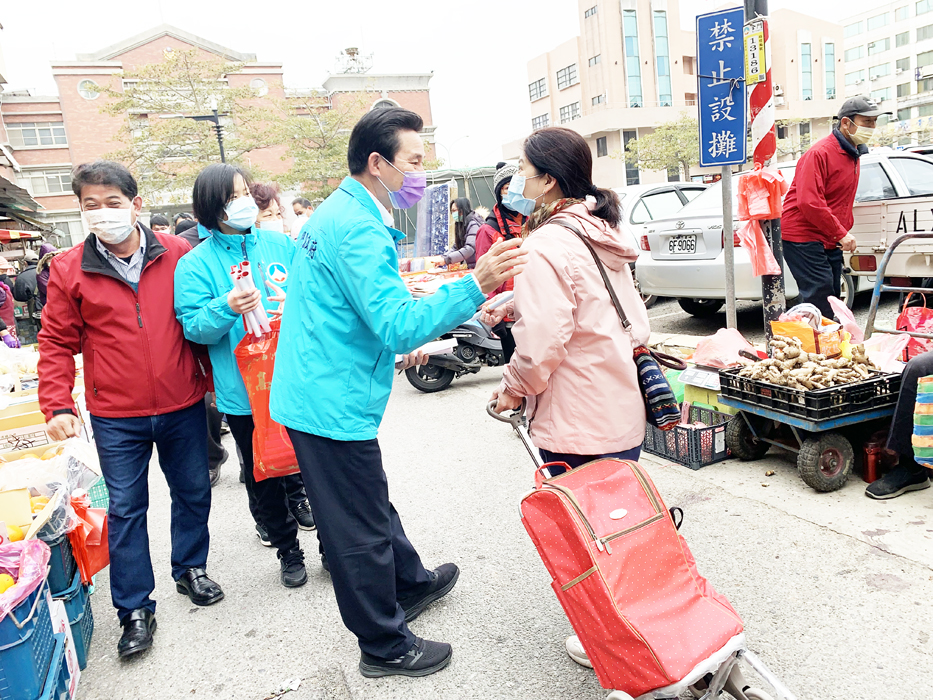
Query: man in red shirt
(818, 208)
(111, 299)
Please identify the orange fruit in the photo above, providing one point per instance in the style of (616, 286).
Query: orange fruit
(14, 532)
(6, 582)
(37, 503)
(52, 452)
(29, 455)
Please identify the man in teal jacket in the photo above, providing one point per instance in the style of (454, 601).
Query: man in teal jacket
(347, 315)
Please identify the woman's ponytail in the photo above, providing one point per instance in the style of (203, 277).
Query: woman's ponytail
(607, 206)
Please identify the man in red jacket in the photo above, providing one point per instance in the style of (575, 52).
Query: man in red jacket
(818, 207)
(111, 299)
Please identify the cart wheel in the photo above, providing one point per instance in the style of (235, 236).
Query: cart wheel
(619, 695)
(825, 462)
(429, 378)
(742, 442)
(756, 694)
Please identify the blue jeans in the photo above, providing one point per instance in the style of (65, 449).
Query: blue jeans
(575, 461)
(125, 448)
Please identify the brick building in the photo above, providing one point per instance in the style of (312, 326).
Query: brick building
(48, 135)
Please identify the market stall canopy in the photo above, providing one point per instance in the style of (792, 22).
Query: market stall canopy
(8, 236)
(15, 203)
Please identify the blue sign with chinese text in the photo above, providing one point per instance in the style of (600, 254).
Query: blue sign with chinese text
(721, 78)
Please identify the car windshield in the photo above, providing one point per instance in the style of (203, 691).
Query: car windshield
(707, 203)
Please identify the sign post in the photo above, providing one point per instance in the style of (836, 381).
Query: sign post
(721, 94)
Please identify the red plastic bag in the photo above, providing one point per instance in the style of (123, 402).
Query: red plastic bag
(760, 195)
(89, 538)
(27, 562)
(759, 252)
(918, 319)
(273, 454)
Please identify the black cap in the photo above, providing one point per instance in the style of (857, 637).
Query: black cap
(861, 105)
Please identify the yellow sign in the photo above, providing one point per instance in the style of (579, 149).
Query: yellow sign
(756, 70)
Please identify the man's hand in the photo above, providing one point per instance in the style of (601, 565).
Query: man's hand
(503, 261)
(848, 243)
(412, 359)
(242, 302)
(505, 402)
(279, 296)
(63, 426)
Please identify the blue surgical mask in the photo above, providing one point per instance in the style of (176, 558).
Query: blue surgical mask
(241, 213)
(516, 200)
(456, 216)
(273, 225)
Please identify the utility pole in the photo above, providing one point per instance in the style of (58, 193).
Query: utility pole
(214, 118)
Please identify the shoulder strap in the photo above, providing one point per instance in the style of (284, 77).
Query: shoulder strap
(626, 324)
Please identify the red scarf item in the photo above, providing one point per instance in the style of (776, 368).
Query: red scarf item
(514, 228)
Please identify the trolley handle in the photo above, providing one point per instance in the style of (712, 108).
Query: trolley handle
(515, 419)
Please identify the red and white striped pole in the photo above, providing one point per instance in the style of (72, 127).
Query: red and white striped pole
(764, 143)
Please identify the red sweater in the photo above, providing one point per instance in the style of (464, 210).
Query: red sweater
(818, 206)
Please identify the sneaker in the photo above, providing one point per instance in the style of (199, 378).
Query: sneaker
(302, 513)
(899, 481)
(424, 658)
(263, 536)
(576, 652)
(445, 578)
(294, 573)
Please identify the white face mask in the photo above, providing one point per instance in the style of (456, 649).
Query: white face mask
(862, 135)
(274, 225)
(111, 226)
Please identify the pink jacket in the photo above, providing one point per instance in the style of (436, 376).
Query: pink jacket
(573, 360)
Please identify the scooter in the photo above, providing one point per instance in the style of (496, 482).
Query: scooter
(477, 346)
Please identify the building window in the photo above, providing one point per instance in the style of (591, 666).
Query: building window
(537, 89)
(31, 134)
(88, 89)
(804, 129)
(596, 59)
(781, 131)
(385, 104)
(903, 90)
(924, 59)
(925, 111)
(632, 59)
(829, 66)
(852, 29)
(881, 94)
(540, 122)
(602, 148)
(900, 14)
(854, 54)
(925, 85)
(855, 77)
(567, 76)
(569, 112)
(631, 169)
(925, 32)
(599, 100)
(878, 21)
(879, 70)
(688, 63)
(901, 39)
(806, 72)
(44, 182)
(259, 86)
(902, 64)
(903, 114)
(663, 59)
(590, 12)
(924, 6)
(881, 45)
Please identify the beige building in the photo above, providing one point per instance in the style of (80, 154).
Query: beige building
(633, 67)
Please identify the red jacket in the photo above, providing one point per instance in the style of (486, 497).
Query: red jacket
(136, 359)
(818, 206)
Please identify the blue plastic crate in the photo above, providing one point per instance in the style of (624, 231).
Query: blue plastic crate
(77, 602)
(62, 565)
(99, 495)
(26, 647)
(58, 678)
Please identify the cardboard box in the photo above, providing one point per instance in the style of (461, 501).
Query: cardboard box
(22, 424)
(701, 386)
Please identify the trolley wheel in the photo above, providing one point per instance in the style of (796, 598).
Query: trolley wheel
(825, 461)
(429, 378)
(756, 694)
(742, 442)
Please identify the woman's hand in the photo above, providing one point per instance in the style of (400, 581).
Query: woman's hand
(412, 359)
(242, 302)
(492, 317)
(279, 296)
(505, 401)
(503, 261)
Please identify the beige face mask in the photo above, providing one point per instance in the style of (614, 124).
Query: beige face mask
(861, 135)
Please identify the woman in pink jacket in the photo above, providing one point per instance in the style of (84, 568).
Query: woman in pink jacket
(573, 360)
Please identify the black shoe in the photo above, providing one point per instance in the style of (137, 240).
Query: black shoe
(138, 628)
(195, 584)
(215, 472)
(302, 513)
(324, 564)
(445, 578)
(263, 536)
(424, 658)
(898, 481)
(294, 573)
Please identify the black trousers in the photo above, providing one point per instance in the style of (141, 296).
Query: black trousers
(902, 425)
(268, 496)
(372, 563)
(818, 272)
(294, 488)
(215, 451)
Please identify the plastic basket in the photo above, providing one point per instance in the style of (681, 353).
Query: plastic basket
(58, 679)
(62, 566)
(879, 391)
(77, 602)
(692, 447)
(26, 647)
(100, 496)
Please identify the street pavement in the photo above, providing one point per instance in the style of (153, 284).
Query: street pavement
(835, 589)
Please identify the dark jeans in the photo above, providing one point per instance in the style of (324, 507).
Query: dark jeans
(818, 272)
(215, 451)
(902, 424)
(267, 496)
(372, 563)
(125, 448)
(575, 461)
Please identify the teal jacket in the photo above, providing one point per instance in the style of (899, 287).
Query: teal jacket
(348, 314)
(202, 282)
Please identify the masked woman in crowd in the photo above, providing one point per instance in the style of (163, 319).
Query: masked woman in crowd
(467, 224)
